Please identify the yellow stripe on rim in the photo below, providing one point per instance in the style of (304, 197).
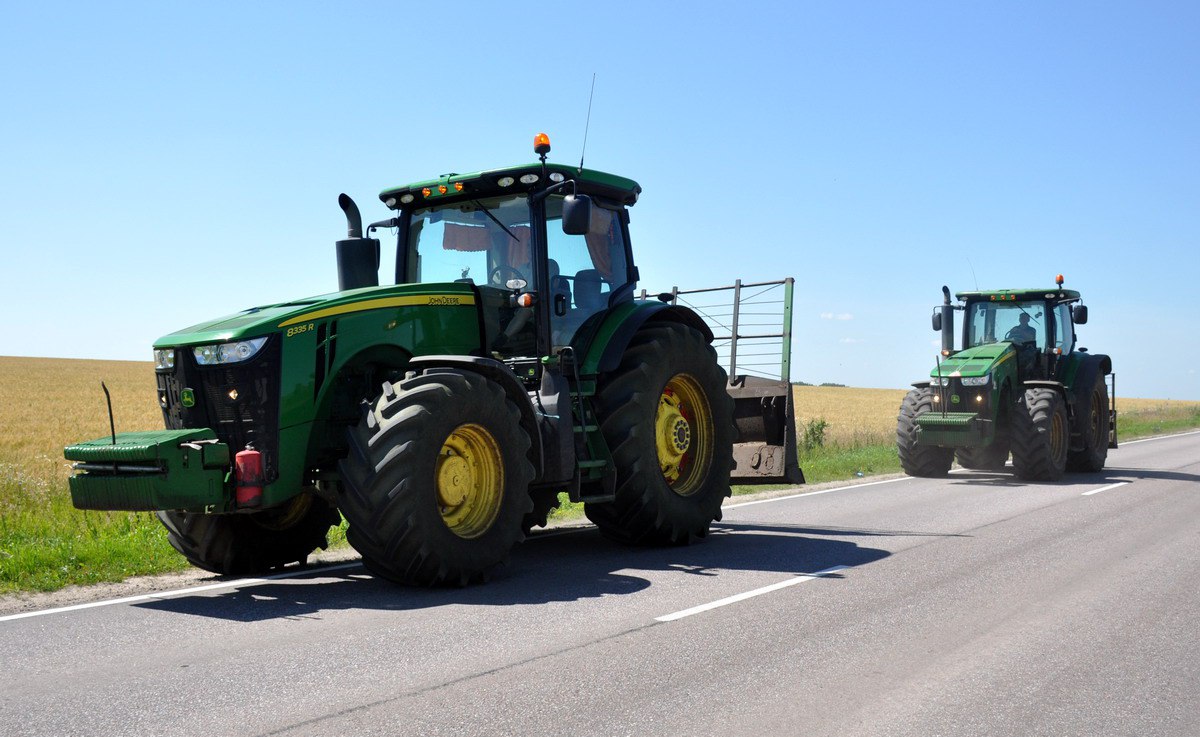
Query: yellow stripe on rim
(421, 300)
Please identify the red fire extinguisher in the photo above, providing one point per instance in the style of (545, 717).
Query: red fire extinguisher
(248, 471)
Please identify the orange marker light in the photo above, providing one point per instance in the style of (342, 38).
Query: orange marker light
(541, 144)
(525, 300)
(425, 192)
(458, 186)
(442, 189)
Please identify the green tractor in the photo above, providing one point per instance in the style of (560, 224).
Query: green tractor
(1018, 385)
(443, 414)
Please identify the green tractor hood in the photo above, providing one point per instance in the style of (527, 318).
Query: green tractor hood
(977, 361)
(268, 319)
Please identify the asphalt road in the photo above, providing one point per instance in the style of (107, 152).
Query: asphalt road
(973, 605)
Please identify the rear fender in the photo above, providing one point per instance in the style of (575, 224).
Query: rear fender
(622, 323)
(1090, 367)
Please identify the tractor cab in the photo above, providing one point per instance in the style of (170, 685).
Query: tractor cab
(543, 247)
(1039, 324)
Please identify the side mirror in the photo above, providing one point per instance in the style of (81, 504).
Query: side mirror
(937, 321)
(1079, 314)
(576, 214)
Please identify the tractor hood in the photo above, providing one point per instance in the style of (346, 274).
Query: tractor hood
(976, 361)
(268, 319)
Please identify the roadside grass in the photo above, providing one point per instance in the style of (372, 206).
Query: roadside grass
(1138, 418)
(45, 404)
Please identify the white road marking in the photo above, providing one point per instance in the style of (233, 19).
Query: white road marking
(1104, 488)
(180, 592)
(749, 594)
(1159, 437)
(815, 493)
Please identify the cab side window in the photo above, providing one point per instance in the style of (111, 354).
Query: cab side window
(1064, 330)
(585, 270)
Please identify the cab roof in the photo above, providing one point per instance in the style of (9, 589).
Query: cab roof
(1052, 294)
(487, 183)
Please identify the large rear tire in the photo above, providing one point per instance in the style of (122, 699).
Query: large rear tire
(436, 482)
(668, 421)
(929, 461)
(1094, 427)
(1040, 436)
(243, 544)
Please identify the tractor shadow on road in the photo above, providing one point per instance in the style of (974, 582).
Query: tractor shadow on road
(549, 567)
(1006, 478)
(1113, 475)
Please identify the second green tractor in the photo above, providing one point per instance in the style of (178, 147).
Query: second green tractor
(1020, 385)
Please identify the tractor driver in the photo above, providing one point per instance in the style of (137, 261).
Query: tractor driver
(1022, 333)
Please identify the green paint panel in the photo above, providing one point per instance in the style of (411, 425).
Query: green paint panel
(604, 335)
(976, 361)
(189, 477)
(258, 321)
(953, 429)
(935, 420)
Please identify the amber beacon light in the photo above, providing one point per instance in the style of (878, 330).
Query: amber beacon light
(541, 144)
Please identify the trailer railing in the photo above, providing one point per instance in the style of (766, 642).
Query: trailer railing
(752, 334)
(751, 324)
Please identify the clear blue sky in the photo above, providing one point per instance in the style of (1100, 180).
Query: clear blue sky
(165, 163)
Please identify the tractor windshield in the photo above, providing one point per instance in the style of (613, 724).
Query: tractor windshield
(484, 242)
(1018, 322)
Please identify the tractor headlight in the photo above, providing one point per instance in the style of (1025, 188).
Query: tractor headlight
(976, 380)
(164, 358)
(939, 381)
(236, 352)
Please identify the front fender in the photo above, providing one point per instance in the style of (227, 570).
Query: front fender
(502, 375)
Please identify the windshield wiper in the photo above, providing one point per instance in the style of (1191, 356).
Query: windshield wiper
(495, 220)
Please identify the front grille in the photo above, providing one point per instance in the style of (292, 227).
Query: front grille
(240, 401)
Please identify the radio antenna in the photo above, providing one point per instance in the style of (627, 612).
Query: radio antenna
(588, 122)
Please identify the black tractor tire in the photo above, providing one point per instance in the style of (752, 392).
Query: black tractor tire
(988, 458)
(545, 501)
(1093, 423)
(1040, 435)
(928, 461)
(436, 482)
(668, 372)
(244, 544)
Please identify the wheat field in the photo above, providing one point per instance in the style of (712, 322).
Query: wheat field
(47, 403)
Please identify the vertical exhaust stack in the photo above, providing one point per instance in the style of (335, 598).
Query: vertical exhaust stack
(357, 257)
(947, 322)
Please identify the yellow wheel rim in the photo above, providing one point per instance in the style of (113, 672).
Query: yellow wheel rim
(470, 481)
(1058, 438)
(285, 517)
(683, 434)
(1094, 422)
